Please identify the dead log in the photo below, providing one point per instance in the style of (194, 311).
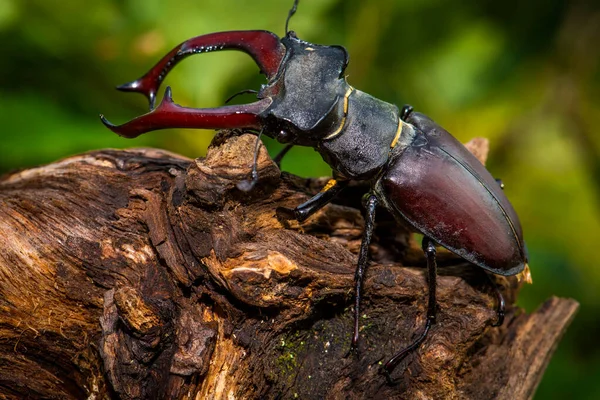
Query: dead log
(141, 274)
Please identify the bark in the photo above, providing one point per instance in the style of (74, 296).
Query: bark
(143, 274)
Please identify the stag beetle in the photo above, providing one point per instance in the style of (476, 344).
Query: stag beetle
(417, 171)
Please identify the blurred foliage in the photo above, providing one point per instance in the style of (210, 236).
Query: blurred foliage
(524, 74)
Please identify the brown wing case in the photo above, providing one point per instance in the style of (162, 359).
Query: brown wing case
(444, 192)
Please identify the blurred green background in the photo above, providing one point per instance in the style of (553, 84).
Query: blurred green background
(523, 74)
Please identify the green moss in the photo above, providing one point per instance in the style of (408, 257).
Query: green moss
(290, 346)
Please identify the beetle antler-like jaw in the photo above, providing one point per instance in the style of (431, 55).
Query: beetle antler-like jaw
(264, 47)
(170, 115)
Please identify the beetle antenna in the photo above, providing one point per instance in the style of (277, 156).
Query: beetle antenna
(292, 12)
(239, 93)
(247, 185)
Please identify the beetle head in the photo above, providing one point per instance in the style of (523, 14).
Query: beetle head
(301, 102)
(307, 92)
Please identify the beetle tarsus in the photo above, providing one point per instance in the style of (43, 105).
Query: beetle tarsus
(286, 214)
(499, 312)
(501, 304)
(430, 251)
(389, 366)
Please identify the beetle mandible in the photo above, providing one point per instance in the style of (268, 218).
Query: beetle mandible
(417, 171)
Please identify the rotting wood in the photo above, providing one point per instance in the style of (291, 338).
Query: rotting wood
(142, 274)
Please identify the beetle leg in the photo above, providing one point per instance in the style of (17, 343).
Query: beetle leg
(500, 299)
(501, 303)
(363, 260)
(281, 154)
(312, 205)
(429, 249)
(264, 47)
(170, 115)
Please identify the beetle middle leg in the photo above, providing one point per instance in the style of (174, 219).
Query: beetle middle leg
(430, 251)
(363, 259)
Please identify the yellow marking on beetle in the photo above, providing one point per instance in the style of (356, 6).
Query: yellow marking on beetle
(398, 134)
(330, 184)
(346, 96)
(343, 123)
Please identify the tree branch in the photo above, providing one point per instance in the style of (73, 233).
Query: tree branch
(142, 274)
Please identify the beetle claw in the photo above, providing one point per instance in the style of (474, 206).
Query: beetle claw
(352, 351)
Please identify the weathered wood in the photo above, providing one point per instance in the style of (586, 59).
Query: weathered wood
(142, 274)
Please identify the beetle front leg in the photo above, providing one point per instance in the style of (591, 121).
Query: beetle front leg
(314, 204)
(430, 251)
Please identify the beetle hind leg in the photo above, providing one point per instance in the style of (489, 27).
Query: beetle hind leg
(501, 304)
(430, 252)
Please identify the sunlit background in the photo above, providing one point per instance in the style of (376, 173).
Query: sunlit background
(523, 74)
